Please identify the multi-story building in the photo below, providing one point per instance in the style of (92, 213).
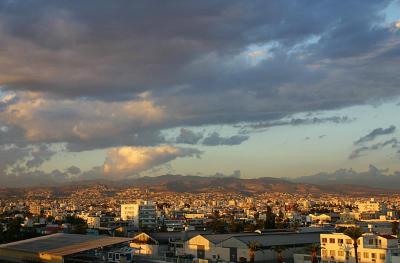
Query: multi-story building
(35, 209)
(93, 221)
(142, 213)
(338, 248)
(372, 206)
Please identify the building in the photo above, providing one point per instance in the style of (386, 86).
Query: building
(143, 214)
(372, 206)
(319, 219)
(338, 247)
(59, 248)
(93, 221)
(235, 247)
(35, 209)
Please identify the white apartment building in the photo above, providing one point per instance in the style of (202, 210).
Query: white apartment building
(142, 213)
(372, 206)
(338, 248)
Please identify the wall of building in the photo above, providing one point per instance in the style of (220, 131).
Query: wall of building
(21, 256)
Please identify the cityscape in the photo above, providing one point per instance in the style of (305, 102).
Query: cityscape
(145, 131)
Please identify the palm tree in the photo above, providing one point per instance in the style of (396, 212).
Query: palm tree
(279, 253)
(253, 246)
(314, 251)
(354, 233)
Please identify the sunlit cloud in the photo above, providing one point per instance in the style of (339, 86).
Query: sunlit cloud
(128, 161)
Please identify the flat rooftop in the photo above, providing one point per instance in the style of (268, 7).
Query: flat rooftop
(61, 244)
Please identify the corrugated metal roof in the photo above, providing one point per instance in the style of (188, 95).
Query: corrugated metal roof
(268, 239)
(287, 239)
(63, 244)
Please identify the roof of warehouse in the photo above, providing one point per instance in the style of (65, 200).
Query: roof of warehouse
(268, 239)
(61, 244)
(282, 239)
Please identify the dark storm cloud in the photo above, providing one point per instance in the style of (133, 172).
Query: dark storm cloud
(215, 139)
(302, 121)
(188, 136)
(376, 133)
(114, 49)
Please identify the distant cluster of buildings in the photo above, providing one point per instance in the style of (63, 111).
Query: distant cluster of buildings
(143, 226)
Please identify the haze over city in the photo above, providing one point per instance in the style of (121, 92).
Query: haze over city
(102, 89)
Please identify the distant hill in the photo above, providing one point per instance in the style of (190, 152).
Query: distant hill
(179, 183)
(373, 177)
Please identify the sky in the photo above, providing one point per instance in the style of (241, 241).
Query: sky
(121, 89)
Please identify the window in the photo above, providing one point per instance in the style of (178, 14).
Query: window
(332, 240)
(366, 255)
(370, 242)
(373, 255)
(340, 253)
(117, 256)
(324, 253)
(358, 242)
(349, 241)
(324, 240)
(340, 241)
(332, 253)
(382, 256)
(110, 255)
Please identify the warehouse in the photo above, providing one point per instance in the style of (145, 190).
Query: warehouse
(66, 248)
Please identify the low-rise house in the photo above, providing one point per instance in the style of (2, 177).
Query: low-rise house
(236, 247)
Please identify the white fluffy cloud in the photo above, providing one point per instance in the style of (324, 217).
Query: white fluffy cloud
(125, 161)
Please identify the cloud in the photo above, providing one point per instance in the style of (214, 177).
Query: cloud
(357, 152)
(40, 155)
(376, 133)
(188, 137)
(215, 139)
(235, 174)
(68, 76)
(73, 170)
(92, 123)
(127, 161)
(301, 121)
(372, 177)
(393, 143)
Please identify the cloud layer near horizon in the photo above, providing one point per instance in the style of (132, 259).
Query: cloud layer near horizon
(71, 80)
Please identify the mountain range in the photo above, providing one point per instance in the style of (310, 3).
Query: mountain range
(373, 177)
(179, 183)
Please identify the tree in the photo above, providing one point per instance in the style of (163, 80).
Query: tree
(314, 248)
(78, 225)
(218, 226)
(270, 219)
(253, 246)
(395, 227)
(279, 253)
(354, 233)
